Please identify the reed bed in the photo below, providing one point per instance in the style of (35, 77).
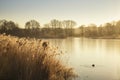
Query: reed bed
(30, 59)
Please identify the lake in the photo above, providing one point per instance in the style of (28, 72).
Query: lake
(81, 53)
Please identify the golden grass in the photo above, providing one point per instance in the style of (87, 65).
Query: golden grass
(28, 59)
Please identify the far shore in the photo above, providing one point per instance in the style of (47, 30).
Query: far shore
(106, 37)
(103, 37)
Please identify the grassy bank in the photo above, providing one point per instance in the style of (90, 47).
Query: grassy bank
(30, 59)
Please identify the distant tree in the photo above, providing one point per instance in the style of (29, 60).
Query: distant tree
(68, 24)
(32, 24)
(32, 28)
(72, 24)
(46, 28)
(55, 23)
(109, 29)
(101, 31)
(3, 25)
(117, 27)
(7, 25)
(82, 30)
(93, 30)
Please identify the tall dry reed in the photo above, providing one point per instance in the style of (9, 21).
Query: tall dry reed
(30, 59)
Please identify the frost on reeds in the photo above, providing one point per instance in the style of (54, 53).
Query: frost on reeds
(30, 59)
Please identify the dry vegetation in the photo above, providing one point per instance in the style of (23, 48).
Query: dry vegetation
(28, 59)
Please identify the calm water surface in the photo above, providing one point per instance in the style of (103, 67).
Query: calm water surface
(81, 53)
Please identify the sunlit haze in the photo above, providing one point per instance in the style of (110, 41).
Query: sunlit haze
(81, 11)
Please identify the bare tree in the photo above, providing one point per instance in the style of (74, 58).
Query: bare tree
(55, 23)
(32, 24)
(7, 25)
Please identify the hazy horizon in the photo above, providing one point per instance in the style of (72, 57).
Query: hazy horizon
(81, 11)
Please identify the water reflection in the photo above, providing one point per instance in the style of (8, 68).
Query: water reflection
(84, 52)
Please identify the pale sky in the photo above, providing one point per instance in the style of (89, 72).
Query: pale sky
(81, 11)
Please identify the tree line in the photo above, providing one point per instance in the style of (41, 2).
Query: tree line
(54, 29)
(106, 30)
(59, 29)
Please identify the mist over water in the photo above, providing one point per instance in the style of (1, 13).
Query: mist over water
(82, 53)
